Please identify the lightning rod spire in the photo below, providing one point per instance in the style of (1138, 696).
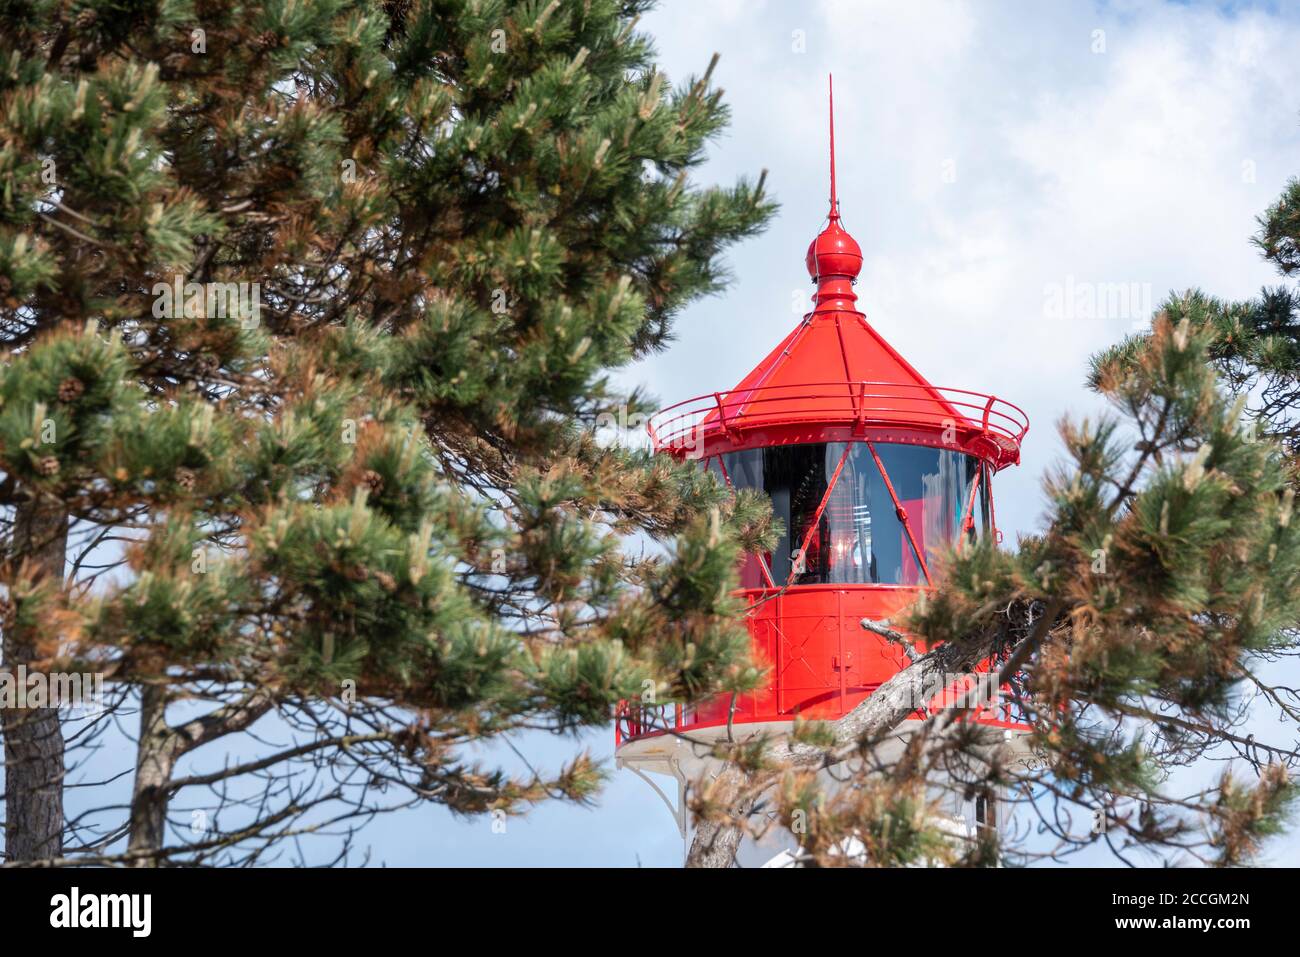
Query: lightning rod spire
(830, 88)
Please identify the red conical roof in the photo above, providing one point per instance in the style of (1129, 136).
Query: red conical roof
(834, 377)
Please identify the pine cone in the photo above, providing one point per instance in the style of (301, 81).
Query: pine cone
(268, 40)
(357, 574)
(386, 581)
(71, 389)
(86, 19)
(373, 480)
(48, 466)
(185, 478)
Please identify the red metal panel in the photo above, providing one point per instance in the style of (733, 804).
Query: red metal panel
(810, 632)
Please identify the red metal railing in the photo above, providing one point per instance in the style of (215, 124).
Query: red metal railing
(863, 404)
(636, 720)
(633, 720)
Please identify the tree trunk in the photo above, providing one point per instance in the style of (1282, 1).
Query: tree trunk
(156, 755)
(715, 842)
(33, 737)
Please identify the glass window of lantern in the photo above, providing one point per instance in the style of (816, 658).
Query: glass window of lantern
(985, 515)
(934, 488)
(713, 465)
(752, 569)
(859, 538)
(795, 478)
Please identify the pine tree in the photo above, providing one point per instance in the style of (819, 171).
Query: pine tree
(1137, 632)
(308, 307)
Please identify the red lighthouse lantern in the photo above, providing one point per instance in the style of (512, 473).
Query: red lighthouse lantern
(873, 472)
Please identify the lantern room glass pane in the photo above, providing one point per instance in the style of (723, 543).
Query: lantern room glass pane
(934, 488)
(859, 538)
(795, 478)
(713, 465)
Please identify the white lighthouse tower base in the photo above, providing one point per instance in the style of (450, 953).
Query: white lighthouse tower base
(672, 763)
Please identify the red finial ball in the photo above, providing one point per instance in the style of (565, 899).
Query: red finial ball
(834, 253)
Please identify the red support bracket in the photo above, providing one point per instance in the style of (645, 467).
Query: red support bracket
(722, 418)
(968, 515)
(860, 413)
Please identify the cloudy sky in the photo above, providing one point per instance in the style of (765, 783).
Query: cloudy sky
(998, 161)
(992, 157)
